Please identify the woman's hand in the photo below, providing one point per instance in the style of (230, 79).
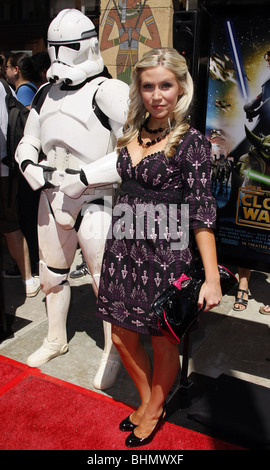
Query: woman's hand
(210, 295)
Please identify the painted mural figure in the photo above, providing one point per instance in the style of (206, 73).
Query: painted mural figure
(129, 16)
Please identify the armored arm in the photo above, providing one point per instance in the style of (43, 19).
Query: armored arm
(27, 154)
(102, 171)
(112, 99)
(30, 145)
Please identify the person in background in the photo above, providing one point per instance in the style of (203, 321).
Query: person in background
(9, 223)
(265, 310)
(161, 160)
(241, 301)
(41, 61)
(3, 60)
(20, 73)
(80, 269)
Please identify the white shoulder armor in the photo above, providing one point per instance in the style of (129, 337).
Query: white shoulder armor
(112, 98)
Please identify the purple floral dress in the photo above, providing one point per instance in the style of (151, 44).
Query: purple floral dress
(151, 241)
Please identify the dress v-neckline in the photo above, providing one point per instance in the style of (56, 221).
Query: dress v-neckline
(153, 154)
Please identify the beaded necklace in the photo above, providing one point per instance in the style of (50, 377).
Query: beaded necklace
(152, 131)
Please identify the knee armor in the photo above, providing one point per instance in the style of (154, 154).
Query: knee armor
(50, 278)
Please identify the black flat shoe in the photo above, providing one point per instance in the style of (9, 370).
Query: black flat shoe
(127, 425)
(134, 441)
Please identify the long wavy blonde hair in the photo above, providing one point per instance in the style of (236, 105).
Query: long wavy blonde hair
(173, 61)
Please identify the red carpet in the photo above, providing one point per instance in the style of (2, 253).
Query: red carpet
(39, 412)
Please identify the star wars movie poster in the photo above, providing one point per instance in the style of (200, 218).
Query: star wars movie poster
(238, 125)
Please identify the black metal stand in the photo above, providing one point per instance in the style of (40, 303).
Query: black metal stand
(179, 398)
(3, 318)
(184, 373)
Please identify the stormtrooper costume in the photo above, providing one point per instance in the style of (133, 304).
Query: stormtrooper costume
(75, 121)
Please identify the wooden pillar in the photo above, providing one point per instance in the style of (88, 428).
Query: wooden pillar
(78, 4)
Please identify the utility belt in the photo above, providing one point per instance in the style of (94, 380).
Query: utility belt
(62, 159)
(101, 192)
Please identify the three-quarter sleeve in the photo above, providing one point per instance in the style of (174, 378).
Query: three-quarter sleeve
(196, 181)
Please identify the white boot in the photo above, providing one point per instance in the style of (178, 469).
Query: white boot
(107, 372)
(109, 364)
(46, 352)
(57, 302)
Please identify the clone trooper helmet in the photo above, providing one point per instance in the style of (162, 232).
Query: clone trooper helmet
(73, 48)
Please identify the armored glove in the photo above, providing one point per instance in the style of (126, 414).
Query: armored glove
(38, 176)
(74, 183)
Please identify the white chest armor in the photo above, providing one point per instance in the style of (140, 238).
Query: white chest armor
(69, 126)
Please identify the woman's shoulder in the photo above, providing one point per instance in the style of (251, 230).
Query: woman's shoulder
(194, 137)
(192, 131)
(28, 86)
(26, 92)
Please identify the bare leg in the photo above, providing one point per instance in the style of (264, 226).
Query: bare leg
(166, 367)
(18, 249)
(244, 276)
(137, 364)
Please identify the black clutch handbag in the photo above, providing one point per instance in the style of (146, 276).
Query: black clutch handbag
(177, 307)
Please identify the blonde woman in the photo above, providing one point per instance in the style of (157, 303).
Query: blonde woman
(164, 164)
